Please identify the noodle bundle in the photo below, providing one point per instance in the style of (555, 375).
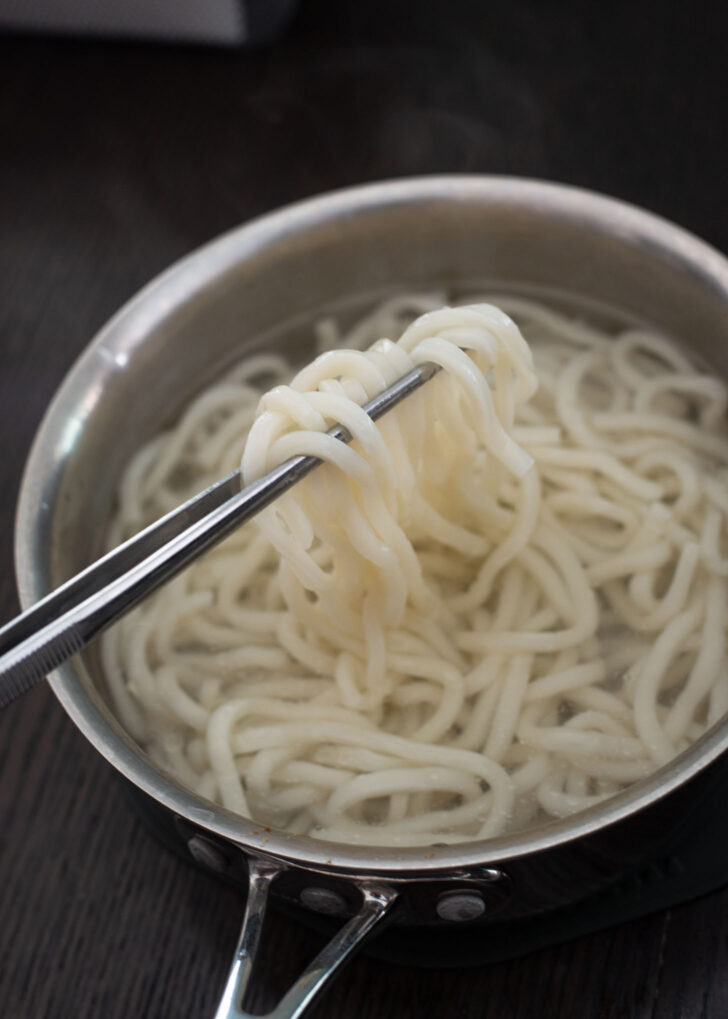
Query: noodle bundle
(503, 602)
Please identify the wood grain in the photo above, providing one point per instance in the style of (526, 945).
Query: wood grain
(116, 159)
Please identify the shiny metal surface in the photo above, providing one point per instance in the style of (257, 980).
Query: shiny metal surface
(64, 622)
(377, 901)
(262, 285)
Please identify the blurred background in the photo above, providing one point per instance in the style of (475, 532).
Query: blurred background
(127, 138)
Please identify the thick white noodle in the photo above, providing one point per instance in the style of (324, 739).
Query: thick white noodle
(500, 603)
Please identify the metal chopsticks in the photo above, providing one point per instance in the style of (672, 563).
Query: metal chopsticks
(59, 625)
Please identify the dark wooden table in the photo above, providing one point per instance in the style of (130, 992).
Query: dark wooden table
(116, 159)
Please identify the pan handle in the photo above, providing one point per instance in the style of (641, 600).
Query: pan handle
(377, 902)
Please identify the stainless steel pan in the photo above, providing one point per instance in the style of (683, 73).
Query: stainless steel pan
(262, 285)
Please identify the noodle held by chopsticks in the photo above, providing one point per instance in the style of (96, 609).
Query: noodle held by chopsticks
(506, 600)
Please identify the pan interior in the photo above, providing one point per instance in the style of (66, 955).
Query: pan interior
(241, 296)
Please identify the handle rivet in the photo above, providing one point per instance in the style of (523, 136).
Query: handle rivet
(206, 854)
(323, 900)
(457, 907)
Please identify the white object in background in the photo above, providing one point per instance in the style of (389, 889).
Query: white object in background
(223, 22)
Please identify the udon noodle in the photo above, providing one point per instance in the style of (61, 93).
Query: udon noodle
(503, 602)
